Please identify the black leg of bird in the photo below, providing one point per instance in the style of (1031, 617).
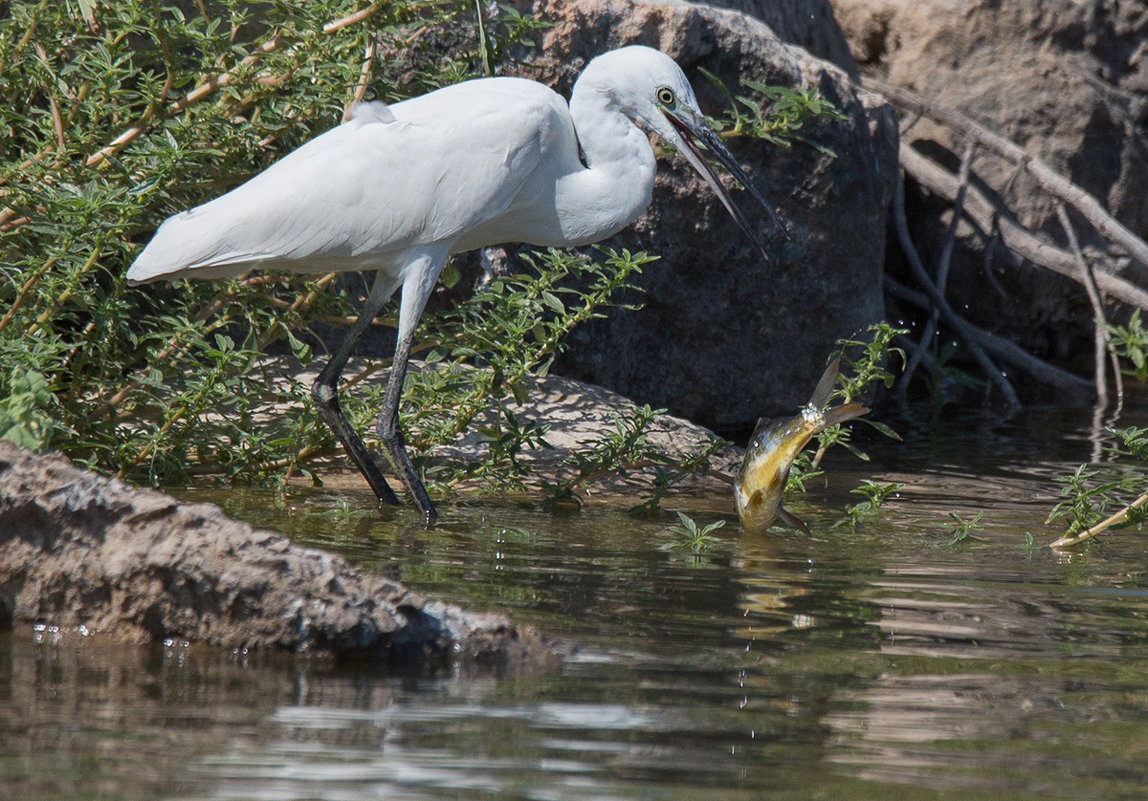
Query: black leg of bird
(325, 393)
(418, 282)
(391, 436)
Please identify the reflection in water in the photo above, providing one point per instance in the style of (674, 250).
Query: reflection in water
(982, 666)
(870, 664)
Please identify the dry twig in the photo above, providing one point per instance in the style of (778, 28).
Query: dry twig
(1103, 525)
(1051, 181)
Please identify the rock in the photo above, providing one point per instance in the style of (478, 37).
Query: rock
(725, 338)
(1066, 80)
(80, 550)
(573, 412)
(576, 413)
(809, 24)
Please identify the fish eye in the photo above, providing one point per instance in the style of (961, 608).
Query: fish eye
(666, 96)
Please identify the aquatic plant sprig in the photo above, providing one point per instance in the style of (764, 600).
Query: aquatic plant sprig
(1090, 495)
(1131, 342)
(961, 530)
(875, 495)
(692, 537)
(865, 364)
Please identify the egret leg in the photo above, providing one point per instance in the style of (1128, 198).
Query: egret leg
(325, 393)
(416, 290)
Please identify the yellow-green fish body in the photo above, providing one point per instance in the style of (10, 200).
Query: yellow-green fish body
(765, 469)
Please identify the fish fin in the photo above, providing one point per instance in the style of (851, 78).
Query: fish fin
(839, 414)
(762, 424)
(825, 385)
(792, 521)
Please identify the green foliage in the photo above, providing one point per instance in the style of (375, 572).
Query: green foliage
(1109, 496)
(961, 530)
(777, 114)
(113, 116)
(865, 362)
(691, 537)
(1131, 342)
(875, 496)
(801, 472)
(28, 411)
(514, 326)
(863, 365)
(627, 448)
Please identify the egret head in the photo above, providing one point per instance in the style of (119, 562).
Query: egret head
(653, 91)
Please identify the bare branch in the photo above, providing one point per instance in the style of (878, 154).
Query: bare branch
(938, 300)
(988, 214)
(1051, 181)
(944, 261)
(1000, 347)
(1104, 347)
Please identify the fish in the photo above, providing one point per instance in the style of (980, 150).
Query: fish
(774, 445)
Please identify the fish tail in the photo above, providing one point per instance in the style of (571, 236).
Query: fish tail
(825, 385)
(839, 414)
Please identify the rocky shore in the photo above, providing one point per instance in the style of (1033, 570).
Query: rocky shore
(84, 554)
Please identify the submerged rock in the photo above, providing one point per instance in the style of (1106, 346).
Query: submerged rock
(80, 551)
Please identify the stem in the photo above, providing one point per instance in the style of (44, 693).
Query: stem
(1114, 520)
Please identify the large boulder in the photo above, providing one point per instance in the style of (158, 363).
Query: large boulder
(809, 24)
(1064, 79)
(80, 552)
(726, 337)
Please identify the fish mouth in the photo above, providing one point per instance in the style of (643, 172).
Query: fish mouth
(691, 129)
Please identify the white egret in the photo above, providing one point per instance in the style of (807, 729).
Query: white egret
(397, 189)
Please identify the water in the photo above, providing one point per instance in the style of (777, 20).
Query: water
(882, 663)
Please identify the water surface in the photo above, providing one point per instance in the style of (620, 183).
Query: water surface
(876, 663)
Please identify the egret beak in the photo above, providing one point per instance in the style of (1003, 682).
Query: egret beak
(690, 127)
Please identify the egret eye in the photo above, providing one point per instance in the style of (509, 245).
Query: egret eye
(666, 96)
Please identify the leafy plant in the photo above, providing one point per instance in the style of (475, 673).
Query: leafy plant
(26, 412)
(1131, 342)
(693, 538)
(875, 496)
(777, 113)
(863, 365)
(961, 530)
(1090, 495)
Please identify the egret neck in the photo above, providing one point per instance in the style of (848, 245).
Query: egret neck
(618, 182)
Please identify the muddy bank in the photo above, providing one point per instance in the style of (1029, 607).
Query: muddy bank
(86, 553)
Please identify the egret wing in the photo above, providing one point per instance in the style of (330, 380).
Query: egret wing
(390, 179)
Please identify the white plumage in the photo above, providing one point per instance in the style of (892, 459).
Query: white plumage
(398, 188)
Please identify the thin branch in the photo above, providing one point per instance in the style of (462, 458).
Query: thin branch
(1051, 181)
(1014, 236)
(1104, 525)
(365, 75)
(1000, 347)
(938, 299)
(942, 270)
(152, 111)
(29, 284)
(352, 19)
(1104, 349)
